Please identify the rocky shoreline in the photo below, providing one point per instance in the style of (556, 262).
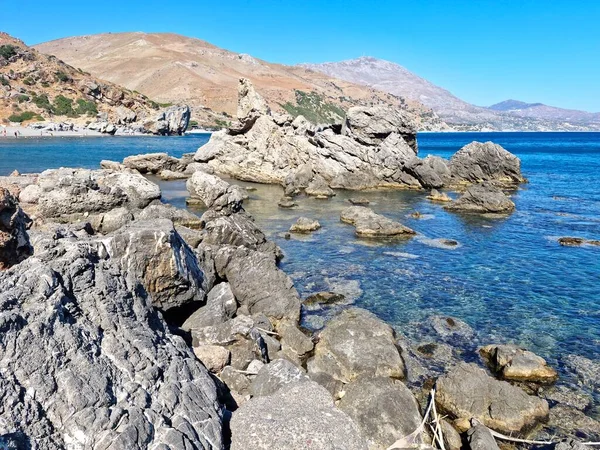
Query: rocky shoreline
(129, 323)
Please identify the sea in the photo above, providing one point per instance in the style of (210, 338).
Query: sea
(508, 277)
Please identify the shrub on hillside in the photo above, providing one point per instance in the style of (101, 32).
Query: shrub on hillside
(86, 107)
(7, 51)
(26, 115)
(62, 77)
(63, 106)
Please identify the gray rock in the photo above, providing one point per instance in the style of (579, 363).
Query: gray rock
(153, 254)
(468, 392)
(235, 380)
(178, 216)
(385, 410)
(220, 307)
(14, 240)
(570, 445)
(480, 438)
(514, 363)
(359, 201)
(171, 121)
(487, 161)
(441, 197)
(88, 363)
(452, 438)
(273, 376)
(431, 172)
(250, 105)
(172, 175)
(286, 202)
(114, 219)
(305, 225)
(318, 187)
(294, 339)
(334, 386)
(568, 397)
(451, 328)
(215, 192)
(298, 179)
(370, 224)
(296, 416)
(153, 163)
(482, 198)
(356, 343)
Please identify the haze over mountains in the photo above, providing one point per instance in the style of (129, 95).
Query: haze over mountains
(178, 69)
(509, 115)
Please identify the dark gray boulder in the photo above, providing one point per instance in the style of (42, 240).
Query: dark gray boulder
(431, 172)
(88, 363)
(482, 198)
(385, 410)
(297, 416)
(274, 375)
(477, 162)
(466, 391)
(14, 240)
(220, 307)
(480, 438)
(215, 193)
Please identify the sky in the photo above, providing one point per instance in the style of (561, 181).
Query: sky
(482, 51)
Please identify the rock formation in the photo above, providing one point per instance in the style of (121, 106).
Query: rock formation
(14, 240)
(482, 198)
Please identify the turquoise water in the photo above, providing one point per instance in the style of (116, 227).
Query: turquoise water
(508, 278)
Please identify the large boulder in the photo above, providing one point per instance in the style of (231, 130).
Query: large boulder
(87, 362)
(482, 198)
(431, 172)
(220, 307)
(477, 162)
(152, 253)
(273, 376)
(370, 224)
(466, 392)
(14, 240)
(171, 121)
(356, 343)
(385, 410)
(297, 416)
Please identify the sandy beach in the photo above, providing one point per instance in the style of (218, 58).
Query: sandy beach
(16, 132)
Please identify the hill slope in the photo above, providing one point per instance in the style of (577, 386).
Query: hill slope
(36, 87)
(174, 68)
(397, 80)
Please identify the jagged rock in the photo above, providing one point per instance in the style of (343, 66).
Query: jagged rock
(214, 357)
(570, 445)
(220, 307)
(480, 438)
(235, 380)
(250, 105)
(14, 240)
(178, 216)
(113, 220)
(295, 416)
(477, 162)
(215, 192)
(468, 392)
(298, 180)
(514, 363)
(153, 163)
(370, 224)
(171, 121)
(372, 125)
(305, 225)
(431, 172)
(436, 196)
(88, 363)
(258, 284)
(385, 410)
(125, 115)
(196, 166)
(357, 343)
(482, 198)
(154, 254)
(111, 165)
(273, 376)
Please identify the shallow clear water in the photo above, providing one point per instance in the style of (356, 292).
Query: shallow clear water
(508, 278)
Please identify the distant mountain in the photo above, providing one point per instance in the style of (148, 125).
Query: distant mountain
(509, 115)
(173, 68)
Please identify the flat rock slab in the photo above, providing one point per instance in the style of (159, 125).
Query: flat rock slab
(297, 416)
(370, 224)
(468, 392)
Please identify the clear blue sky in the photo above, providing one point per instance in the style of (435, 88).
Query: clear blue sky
(481, 50)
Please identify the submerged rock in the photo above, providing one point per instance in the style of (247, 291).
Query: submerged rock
(482, 198)
(286, 202)
(299, 415)
(14, 240)
(466, 391)
(514, 363)
(370, 224)
(359, 201)
(356, 343)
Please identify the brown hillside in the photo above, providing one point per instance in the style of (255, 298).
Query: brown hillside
(174, 68)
